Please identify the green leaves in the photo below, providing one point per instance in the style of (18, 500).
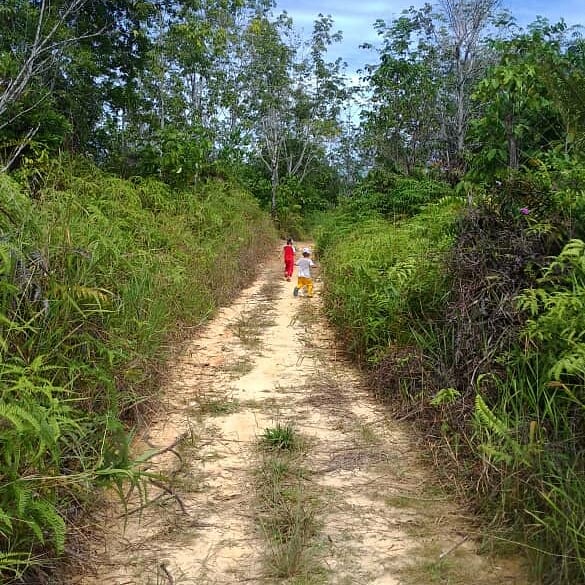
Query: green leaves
(500, 446)
(557, 314)
(402, 118)
(524, 98)
(382, 278)
(127, 262)
(445, 396)
(36, 425)
(14, 563)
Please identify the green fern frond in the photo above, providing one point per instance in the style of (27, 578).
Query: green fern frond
(19, 415)
(573, 249)
(85, 294)
(5, 261)
(23, 496)
(5, 520)
(572, 254)
(488, 419)
(445, 396)
(570, 364)
(496, 455)
(490, 422)
(35, 529)
(47, 513)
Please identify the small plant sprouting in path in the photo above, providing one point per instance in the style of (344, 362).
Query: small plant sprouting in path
(280, 437)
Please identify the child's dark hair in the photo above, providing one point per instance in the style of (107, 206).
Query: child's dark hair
(289, 241)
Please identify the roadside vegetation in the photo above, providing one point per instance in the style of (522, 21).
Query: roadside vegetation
(143, 148)
(99, 276)
(466, 308)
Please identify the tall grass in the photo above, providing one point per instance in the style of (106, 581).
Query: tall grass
(543, 401)
(486, 342)
(380, 276)
(96, 275)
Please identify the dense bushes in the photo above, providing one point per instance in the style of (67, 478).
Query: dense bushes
(95, 273)
(379, 276)
(487, 352)
(544, 407)
(394, 196)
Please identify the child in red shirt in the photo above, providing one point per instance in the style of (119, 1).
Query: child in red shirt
(289, 259)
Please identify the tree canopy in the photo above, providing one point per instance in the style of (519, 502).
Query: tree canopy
(178, 90)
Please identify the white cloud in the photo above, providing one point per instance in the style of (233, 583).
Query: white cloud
(355, 20)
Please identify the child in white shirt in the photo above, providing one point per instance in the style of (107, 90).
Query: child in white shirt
(304, 266)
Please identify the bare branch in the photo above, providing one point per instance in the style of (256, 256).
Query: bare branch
(42, 53)
(26, 140)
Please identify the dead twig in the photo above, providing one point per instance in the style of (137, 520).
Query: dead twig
(169, 490)
(170, 448)
(146, 505)
(163, 567)
(455, 546)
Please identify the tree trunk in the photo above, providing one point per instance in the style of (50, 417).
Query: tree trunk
(274, 187)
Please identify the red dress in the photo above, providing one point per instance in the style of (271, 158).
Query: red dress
(289, 260)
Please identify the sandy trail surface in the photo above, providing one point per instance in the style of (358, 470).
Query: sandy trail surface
(375, 513)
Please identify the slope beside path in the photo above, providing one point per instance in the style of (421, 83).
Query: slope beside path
(352, 503)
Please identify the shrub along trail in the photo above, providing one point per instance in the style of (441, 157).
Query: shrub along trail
(284, 469)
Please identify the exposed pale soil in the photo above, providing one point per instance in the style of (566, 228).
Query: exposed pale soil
(268, 358)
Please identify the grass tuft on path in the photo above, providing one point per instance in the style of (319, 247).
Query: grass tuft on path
(287, 509)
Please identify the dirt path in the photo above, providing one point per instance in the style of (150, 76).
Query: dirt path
(346, 502)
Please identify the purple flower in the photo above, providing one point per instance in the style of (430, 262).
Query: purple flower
(525, 211)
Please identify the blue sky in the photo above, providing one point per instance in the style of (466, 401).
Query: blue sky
(355, 18)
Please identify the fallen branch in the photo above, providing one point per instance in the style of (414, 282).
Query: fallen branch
(170, 448)
(144, 506)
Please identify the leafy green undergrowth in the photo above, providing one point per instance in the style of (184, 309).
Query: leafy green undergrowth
(475, 330)
(96, 275)
(507, 382)
(380, 276)
(394, 196)
(522, 422)
(536, 434)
